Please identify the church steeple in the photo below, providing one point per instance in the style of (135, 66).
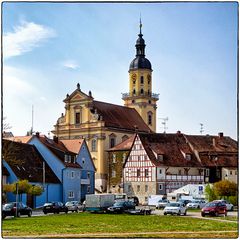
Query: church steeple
(140, 94)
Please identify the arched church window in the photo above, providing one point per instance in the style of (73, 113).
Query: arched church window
(134, 82)
(141, 91)
(77, 118)
(134, 91)
(94, 145)
(142, 80)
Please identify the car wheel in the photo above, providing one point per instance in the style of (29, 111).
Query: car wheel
(165, 213)
(3, 216)
(18, 214)
(179, 213)
(30, 214)
(45, 212)
(203, 214)
(216, 214)
(185, 213)
(66, 211)
(232, 208)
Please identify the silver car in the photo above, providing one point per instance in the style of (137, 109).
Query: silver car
(196, 204)
(74, 206)
(175, 208)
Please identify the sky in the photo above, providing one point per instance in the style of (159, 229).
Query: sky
(50, 47)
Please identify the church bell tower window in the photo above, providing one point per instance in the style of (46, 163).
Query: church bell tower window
(149, 118)
(142, 80)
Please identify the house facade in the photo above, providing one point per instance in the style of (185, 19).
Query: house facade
(161, 163)
(84, 159)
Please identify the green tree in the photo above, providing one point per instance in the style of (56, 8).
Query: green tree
(23, 186)
(225, 188)
(210, 194)
(35, 190)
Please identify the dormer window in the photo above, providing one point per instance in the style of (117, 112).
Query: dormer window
(188, 157)
(160, 157)
(65, 158)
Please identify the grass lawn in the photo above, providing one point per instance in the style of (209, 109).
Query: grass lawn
(82, 225)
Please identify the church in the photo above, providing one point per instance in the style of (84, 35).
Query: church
(104, 125)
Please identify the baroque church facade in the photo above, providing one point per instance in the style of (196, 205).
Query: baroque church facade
(104, 125)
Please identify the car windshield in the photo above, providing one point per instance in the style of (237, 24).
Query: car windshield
(69, 203)
(174, 204)
(48, 204)
(195, 201)
(118, 204)
(9, 205)
(211, 204)
(163, 201)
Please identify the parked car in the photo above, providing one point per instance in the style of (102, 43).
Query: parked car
(10, 209)
(74, 206)
(196, 204)
(184, 201)
(121, 206)
(54, 207)
(214, 208)
(175, 208)
(162, 203)
(228, 205)
(134, 200)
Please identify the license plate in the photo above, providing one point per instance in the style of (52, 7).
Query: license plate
(206, 212)
(47, 207)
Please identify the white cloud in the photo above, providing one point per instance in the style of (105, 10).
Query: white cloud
(70, 64)
(25, 37)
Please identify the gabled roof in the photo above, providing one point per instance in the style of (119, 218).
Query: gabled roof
(26, 162)
(120, 117)
(73, 145)
(125, 145)
(215, 150)
(59, 150)
(171, 147)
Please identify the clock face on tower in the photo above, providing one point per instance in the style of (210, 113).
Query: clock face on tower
(134, 76)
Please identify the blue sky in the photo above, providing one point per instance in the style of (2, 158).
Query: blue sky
(49, 47)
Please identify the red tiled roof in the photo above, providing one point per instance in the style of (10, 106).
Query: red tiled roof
(125, 145)
(120, 117)
(21, 139)
(26, 162)
(73, 145)
(170, 146)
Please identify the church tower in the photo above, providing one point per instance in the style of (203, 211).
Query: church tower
(140, 94)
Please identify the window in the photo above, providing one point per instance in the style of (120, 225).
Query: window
(142, 91)
(138, 188)
(179, 172)
(188, 157)
(72, 174)
(112, 140)
(77, 117)
(160, 157)
(160, 171)
(113, 173)
(69, 158)
(138, 172)
(70, 194)
(88, 189)
(149, 118)
(160, 187)
(146, 172)
(94, 145)
(230, 172)
(207, 172)
(134, 91)
(129, 188)
(134, 81)
(142, 80)
(83, 160)
(146, 188)
(114, 158)
(65, 158)
(88, 175)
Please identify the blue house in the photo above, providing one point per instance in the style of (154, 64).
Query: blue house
(84, 159)
(24, 162)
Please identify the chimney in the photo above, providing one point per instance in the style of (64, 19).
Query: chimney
(55, 139)
(37, 134)
(220, 134)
